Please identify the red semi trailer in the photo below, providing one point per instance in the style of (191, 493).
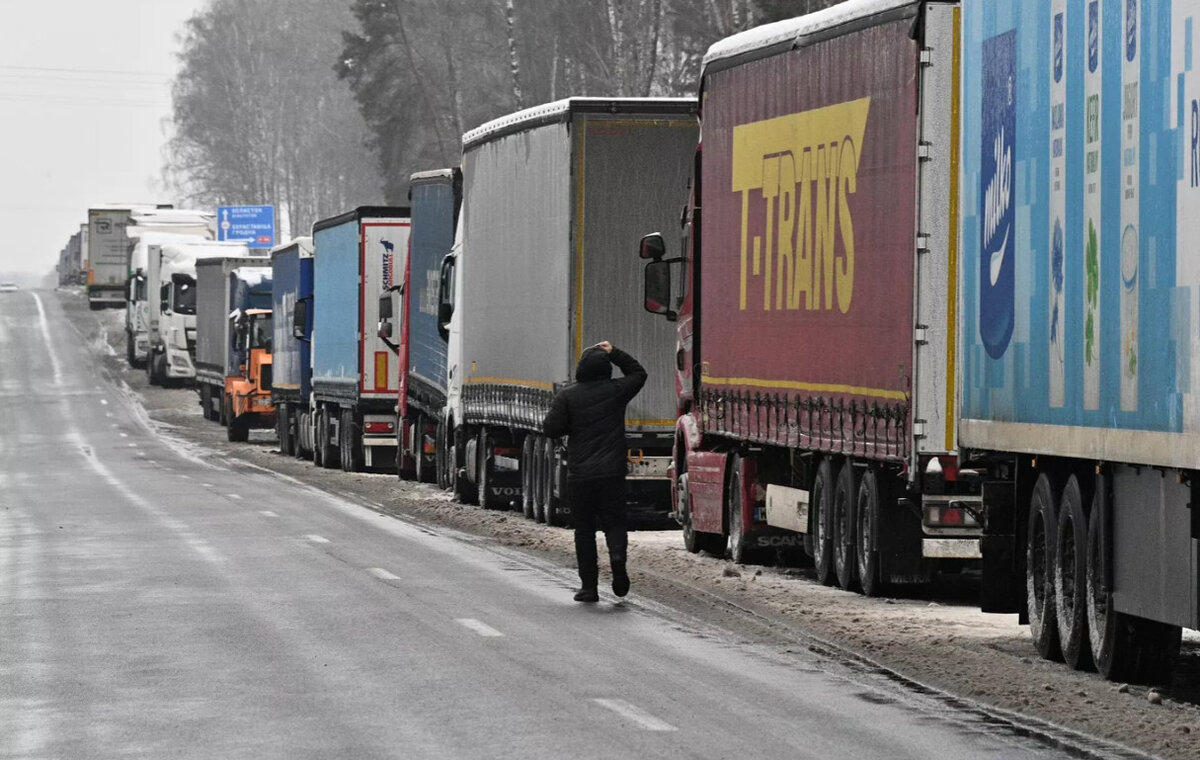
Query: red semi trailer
(816, 349)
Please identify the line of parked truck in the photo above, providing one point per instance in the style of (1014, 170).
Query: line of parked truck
(880, 342)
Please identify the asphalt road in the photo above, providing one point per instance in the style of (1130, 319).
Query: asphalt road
(155, 605)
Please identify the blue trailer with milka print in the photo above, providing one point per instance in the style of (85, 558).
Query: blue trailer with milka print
(1079, 322)
(355, 378)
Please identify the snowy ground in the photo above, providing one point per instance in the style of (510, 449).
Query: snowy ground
(937, 638)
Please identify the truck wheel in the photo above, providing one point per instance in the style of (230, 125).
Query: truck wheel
(464, 490)
(325, 451)
(205, 401)
(426, 464)
(845, 499)
(304, 448)
(1039, 566)
(1070, 576)
(821, 507)
(868, 520)
(441, 456)
(527, 473)
(151, 377)
(484, 475)
(350, 434)
(131, 352)
(553, 518)
(737, 547)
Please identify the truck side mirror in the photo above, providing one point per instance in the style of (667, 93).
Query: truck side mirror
(385, 329)
(653, 247)
(656, 289)
(300, 320)
(446, 297)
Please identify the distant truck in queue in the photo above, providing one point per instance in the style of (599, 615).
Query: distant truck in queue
(170, 282)
(108, 253)
(409, 325)
(815, 361)
(157, 226)
(540, 273)
(233, 342)
(291, 374)
(352, 420)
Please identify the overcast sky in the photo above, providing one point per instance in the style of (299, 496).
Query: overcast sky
(84, 100)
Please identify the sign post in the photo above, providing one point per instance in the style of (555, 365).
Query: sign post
(252, 225)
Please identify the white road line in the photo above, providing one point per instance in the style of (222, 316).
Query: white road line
(382, 574)
(267, 513)
(317, 539)
(49, 341)
(483, 629)
(635, 714)
(234, 496)
(104, 402)
(207, 485)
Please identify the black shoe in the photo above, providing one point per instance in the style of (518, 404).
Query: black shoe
(620, 579)
(587, 595)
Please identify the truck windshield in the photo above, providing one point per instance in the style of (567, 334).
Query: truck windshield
(260, 333)
(183, 295)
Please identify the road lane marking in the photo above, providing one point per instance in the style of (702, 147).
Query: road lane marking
(317, 539)
(635, 714)
(234, 496)
(382, 574)
(45, 323)
(267, 513)
(483, 629)
(104, 401)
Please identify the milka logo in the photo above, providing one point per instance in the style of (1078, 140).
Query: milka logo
(796, 175)
(1130, 30)
(1058, 47)
(996, 200)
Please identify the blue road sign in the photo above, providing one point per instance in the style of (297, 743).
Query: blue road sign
(252, 225)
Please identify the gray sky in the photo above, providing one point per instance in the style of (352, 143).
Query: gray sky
(84, 101)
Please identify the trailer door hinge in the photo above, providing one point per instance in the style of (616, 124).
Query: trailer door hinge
(926, 58)
(922, 242)
(923, 150)
(918, 428)
(920, 335)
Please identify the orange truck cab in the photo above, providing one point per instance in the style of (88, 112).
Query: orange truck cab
(248, 393)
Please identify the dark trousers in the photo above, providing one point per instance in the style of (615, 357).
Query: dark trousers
(598, 505)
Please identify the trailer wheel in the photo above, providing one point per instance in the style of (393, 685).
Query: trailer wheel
(1070, 576)
(868, 521)
(205, 401)
(283, 430)
(426, 466)
(323, 450)
(845, 499)
(821, 508)
(483, 477)
(527, 473)
(1039, 567)
(131, 352)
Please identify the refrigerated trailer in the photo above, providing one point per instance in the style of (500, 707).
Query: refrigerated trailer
(553, 198)
(291, 380)
(354, 375)
(409, 324)
(815, 299)
(1081, 362)
(108, 254)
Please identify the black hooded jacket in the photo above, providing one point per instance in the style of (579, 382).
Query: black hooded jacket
(592, 413)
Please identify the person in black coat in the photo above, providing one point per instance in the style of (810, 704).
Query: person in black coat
(592, 413)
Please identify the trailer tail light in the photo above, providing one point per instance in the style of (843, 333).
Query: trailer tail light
(428, 446)
(379, 427)
(951, 514)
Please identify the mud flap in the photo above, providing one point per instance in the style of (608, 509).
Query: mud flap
(898, 541)
(1002, 588)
